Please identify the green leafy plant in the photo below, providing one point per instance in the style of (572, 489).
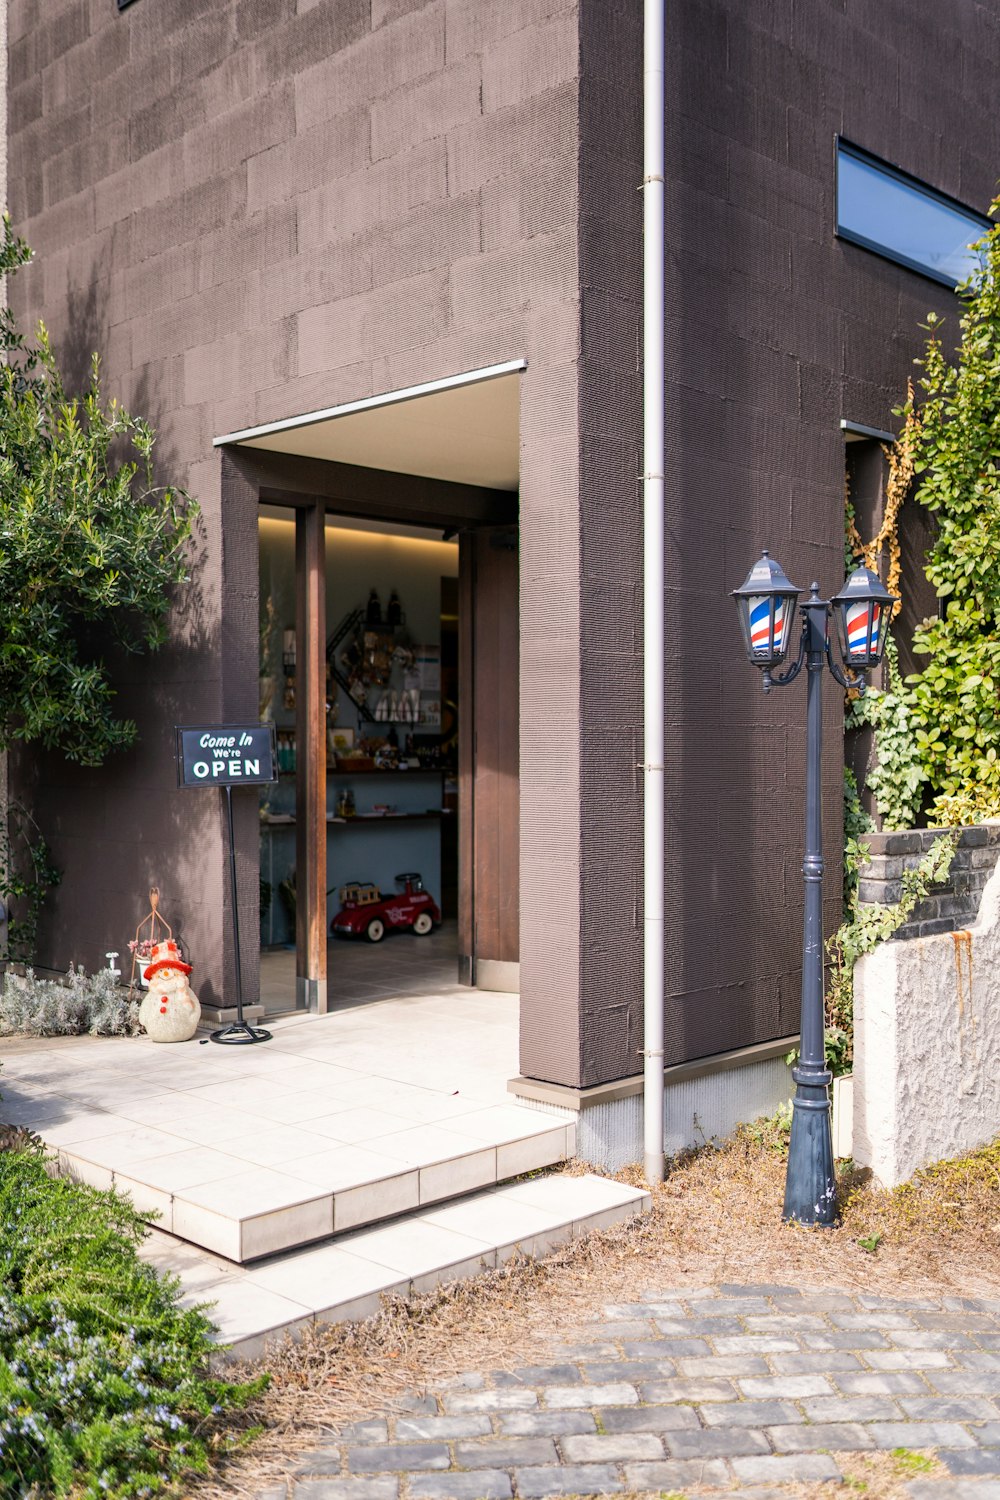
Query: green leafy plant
(866, 925)
(837, 1051)
(954, 697)
(897, 775)
(870, 1242)
(772, 1131)
(90, 546)
(857, 823)
(27, 875)
(81, 1003)
(105, 1386)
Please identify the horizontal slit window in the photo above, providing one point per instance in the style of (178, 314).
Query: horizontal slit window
(895, 215)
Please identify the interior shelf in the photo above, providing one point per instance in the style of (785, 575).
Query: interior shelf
(367, 819)
(410, 771)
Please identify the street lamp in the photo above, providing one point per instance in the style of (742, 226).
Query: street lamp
(766, 604)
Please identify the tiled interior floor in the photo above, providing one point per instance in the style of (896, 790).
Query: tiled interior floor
(375, 1110)
(359, 972)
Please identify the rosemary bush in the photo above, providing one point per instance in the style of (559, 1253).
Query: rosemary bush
(105, 1390)
(80, 1003)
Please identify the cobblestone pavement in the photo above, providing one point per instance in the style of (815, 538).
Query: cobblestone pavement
(733, 1388)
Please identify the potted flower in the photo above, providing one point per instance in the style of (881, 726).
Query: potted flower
(142, 952)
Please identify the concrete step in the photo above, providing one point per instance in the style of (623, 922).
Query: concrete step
(337, 1123)
(230, 1202)
(343, 1280)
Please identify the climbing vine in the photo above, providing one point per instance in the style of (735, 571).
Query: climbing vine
(866, 925)
(957, 452)
(882, 553)
(896, 776)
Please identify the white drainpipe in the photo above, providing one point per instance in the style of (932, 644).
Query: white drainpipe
(653, 583)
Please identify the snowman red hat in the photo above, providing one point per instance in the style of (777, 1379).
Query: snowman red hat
(166, 956)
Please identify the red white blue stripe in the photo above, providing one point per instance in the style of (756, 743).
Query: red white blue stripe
(760, 625)
(857, 629)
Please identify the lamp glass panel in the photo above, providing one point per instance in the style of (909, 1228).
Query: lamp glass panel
(865, 622)
(769, 617)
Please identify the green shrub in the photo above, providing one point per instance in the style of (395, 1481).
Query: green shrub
(104, 1384)
(81, 1003)
(91, 547)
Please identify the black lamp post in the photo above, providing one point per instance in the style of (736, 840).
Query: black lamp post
(766, 606)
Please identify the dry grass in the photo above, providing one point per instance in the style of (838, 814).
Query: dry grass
(716, 1218)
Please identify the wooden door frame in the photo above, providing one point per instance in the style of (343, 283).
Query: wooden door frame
(310, 780)
(485, 827)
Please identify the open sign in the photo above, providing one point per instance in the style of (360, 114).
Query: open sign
(226, 755)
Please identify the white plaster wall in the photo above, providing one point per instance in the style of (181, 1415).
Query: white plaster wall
(927, 1046)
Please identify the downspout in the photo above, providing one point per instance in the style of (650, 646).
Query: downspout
(653, 585)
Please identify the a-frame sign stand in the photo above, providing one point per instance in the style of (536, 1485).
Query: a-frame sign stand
(225, 755)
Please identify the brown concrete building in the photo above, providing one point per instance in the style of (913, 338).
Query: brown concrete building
(261, 211)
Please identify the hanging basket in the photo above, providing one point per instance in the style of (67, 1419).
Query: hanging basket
(158, 929)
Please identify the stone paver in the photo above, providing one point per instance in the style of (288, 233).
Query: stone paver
(743, 1390)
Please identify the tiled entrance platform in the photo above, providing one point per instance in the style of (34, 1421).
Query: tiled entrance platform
(390, 1110)
(340, 1121)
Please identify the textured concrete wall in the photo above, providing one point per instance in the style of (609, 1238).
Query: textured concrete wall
(260, 207)
(927, 1046)
(775, 331)
(955, 901)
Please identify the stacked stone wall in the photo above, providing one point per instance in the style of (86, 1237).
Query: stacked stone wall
(950, 906)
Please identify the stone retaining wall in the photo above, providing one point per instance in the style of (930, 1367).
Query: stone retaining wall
(927, 1045)
(954, 903)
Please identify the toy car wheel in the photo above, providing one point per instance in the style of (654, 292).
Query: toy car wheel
(375, 931)
(422, 923)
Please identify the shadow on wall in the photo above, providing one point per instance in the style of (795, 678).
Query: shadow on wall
(116, 830)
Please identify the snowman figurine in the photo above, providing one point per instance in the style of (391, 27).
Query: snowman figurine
(170, 1011)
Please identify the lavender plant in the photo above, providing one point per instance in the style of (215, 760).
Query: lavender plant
(80, 1003)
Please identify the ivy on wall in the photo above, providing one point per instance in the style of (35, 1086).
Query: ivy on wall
(953, 700)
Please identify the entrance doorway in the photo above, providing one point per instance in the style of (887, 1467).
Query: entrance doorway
(411, 747)
(438, 461)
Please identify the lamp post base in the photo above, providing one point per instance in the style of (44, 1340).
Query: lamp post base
(811, 1183)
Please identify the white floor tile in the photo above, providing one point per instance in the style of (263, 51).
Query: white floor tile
(256, 1191)
(338, 1167)
(320, 1278)
(413, 1247)
(424, 1144)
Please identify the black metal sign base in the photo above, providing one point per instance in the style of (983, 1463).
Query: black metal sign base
(240, 1034)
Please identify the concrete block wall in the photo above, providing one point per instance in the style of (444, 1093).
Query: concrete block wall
(256, 208)
(951, 905)
(776, 330)
(261, 207)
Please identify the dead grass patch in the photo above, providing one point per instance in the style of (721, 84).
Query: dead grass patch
(716, 1218)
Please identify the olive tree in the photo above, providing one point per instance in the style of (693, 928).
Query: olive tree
(90, 546)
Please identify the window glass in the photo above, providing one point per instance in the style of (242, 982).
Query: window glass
(895, 216)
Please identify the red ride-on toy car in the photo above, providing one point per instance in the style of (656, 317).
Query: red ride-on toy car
(364, 912)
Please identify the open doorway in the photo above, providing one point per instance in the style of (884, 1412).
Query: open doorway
(434, 464)
(419, 692)
(390, 759)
